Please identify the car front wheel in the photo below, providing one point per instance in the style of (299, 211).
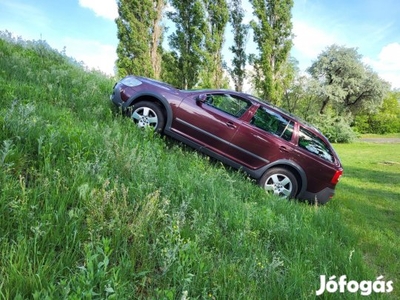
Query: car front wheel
(148, 114)
(280, 182)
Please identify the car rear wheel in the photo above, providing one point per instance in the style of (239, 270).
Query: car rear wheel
(280, 182)
(148, 114)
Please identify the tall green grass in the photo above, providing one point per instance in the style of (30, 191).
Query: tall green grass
(92, 207)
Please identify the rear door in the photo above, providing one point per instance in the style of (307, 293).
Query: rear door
(211, 122)
(266, 138)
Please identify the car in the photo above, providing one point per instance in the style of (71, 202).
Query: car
(287, 157)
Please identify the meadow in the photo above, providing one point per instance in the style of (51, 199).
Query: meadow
(93, 208)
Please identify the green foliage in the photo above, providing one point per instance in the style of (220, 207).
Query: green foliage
(94, 208)
(188, 40)
(216, 19)
(240, 33)
(273, 36)
(346, 84)
(301, 98)
(170, 69)
(343, 94)
(385, 120)
(336, 128)
(139, 34)
(303, 101)
(290, 70)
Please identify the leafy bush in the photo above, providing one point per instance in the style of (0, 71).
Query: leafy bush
(336, 128)
(385, 120)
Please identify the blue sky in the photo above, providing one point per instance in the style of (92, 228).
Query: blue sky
(87, 30)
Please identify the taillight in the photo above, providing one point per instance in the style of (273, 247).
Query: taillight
(336, 177)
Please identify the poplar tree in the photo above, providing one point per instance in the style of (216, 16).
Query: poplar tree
(188, 40)
(139, 33)
(240, 34)
(216, 19)
(273, 36)
(156, 39)
(170, 69)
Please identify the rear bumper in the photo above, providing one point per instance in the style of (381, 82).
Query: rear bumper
(321, 197)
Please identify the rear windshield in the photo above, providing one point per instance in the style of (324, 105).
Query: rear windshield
(312, 143)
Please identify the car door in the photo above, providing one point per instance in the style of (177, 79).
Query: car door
(210, 119)
(266, 138)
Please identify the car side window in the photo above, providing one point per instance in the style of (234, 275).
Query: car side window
(312, 143)
(227, 103)
(273, 122)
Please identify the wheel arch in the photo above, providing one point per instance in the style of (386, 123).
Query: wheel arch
(295, 169)
(155, 98)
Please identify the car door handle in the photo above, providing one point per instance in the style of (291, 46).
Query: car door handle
(284, 149)
(230, 124)
(263, 140)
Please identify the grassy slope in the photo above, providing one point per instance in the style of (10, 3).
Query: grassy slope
(92, 207)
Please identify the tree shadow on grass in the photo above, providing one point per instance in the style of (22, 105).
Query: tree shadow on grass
(375, 176)
(374, 214)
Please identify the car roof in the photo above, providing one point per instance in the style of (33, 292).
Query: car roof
(261, 102)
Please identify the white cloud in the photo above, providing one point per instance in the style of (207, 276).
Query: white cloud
(93, 54)
(103, 8)
(309, 42)
(389, 56)
(387, 65)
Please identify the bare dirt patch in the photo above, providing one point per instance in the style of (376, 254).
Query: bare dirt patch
(381, 140)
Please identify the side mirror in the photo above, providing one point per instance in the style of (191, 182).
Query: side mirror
(201, 98)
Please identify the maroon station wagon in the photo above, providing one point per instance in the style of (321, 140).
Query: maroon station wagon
(285, 155)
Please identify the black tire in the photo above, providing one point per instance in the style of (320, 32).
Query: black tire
(148, 114)
(280, 182)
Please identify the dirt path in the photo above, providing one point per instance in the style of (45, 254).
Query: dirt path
(381, 140)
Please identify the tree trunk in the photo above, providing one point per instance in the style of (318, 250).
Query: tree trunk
(156, 38)
(324, 104)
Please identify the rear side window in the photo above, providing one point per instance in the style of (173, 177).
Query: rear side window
(312, 143)
(273, 122)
